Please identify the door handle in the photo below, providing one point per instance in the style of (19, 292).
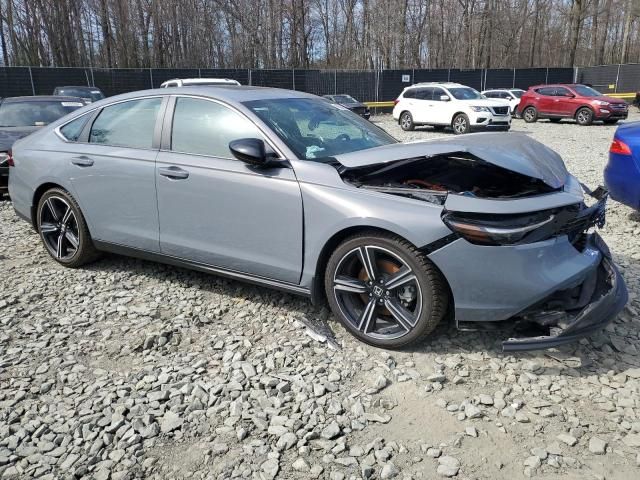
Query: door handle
(82, 161)
(175, 173)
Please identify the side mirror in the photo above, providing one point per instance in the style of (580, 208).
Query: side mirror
(254, 152)
(444, 98)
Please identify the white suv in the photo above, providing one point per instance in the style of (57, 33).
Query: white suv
(512, 95)
(450, 105)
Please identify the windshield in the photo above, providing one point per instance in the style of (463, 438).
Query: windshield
(585, 91)
(94, 94)
(465, 93)
(315, 129)
(34, 114)
(344, 99)
(517, 93)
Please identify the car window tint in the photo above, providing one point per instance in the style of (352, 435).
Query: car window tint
(491, 94)
(127, 124)
(34, 113)
(562, 92)
(437, 92)
(72, 130)
(549, 91)
(206, 128)
(411, 93)
(424, 93)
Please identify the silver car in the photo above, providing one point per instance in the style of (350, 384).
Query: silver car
(286, 190)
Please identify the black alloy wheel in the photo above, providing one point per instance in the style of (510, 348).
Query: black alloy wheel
(384, 291)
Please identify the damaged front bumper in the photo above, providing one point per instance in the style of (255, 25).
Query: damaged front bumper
(597, 301)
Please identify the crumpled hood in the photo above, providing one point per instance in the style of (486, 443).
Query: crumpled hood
(513, 151)
(8, 135)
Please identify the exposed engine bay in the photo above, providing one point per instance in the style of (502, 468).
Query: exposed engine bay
(432, 178)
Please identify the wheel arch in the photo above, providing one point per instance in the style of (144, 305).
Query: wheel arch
(575, 112)
(402, 112)
(37, 195)
(317, 285)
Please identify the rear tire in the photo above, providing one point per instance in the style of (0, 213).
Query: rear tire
(406, 122)
(461, 124)
(584, 116)
(384, 291)
(530, 115)
(63, 229)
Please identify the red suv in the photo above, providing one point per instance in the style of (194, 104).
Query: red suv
(580, 102)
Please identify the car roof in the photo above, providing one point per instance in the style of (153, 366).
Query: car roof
(42, 98)
(234, 94)
(437, 84)
(201, 80)
(84, 87)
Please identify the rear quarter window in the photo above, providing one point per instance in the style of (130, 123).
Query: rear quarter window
(72, 130)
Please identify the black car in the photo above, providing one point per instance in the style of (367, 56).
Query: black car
(351, 103)
(87, 94)
(19, 116)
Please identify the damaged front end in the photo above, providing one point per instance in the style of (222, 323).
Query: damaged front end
(512, 207)
(572, 313)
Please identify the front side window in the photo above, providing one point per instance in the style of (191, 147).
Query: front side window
(585, 91)
(314, 129)
(562, 92)
(34, 113)
(206, 128)
(437, 93)
(517, 93)
(127, 124)
(465, 93)
(72, 130)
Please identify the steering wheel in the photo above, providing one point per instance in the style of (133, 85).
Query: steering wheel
(344, 137)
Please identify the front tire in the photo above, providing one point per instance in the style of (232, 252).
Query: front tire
(530, 115)
(406, 122)
(461, 124)
(63, 229)
(384, 291)
(584, 117)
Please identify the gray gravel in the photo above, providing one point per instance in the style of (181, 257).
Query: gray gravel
(129, 369)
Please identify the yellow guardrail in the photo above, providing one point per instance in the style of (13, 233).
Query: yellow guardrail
(379, 104)
(621, 95)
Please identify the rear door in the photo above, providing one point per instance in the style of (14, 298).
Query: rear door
(423, 106)
(217, 210)
(112, 170)
(441, 109)
(545, 100)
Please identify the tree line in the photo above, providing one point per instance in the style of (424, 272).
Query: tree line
(350, 34)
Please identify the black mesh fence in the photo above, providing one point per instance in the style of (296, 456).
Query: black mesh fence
(365, 85)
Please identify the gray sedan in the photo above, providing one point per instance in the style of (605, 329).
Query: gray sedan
(286, 190)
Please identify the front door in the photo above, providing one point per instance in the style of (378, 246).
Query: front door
(112, 171)
(219, 211)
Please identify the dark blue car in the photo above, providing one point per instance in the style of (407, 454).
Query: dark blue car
(622, 173)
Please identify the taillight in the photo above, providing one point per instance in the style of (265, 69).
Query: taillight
(10, 159)
(619, 147)
(395, 102)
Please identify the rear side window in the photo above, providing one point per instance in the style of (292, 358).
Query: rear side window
(549, 91)
(206, 128)
(72, 130)
(425, 93)
(127, 124)
(411, 93)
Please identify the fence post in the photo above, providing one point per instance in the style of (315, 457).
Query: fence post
(513, 83)
(617, 78)
(33, 88)
(448, 75)
(293, 76)
(151, 76)
(93, 79)
(86, 75)
(249, 75)
(413, 76)
(199, 74)
(546, 76)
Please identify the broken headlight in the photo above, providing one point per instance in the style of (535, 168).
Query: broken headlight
(483, 229)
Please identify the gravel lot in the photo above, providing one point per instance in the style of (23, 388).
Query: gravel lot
(130, 369)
